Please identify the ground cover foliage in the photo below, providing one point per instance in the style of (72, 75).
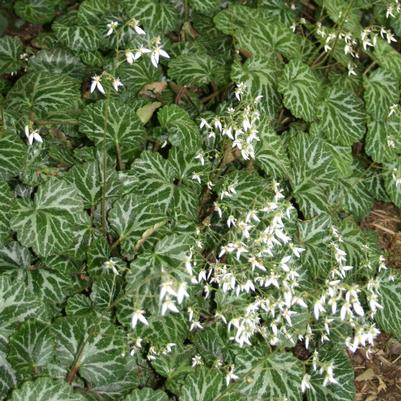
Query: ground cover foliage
(181, 187)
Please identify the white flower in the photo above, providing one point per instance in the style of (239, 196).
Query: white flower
(117, 83)
(305, 383)
(169, 305)
(167, 288)
(33, 135)
(200, 157)
(96, 84)
(197, 360)
(138, 316)
(196, 325)
(181, 293)
(135, 25)
(112, 27)
(393, 109)
(110, 264)
(230, 375)
(196, 177)
(156, 53)
(129, 56)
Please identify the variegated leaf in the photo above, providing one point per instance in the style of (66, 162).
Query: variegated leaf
(36, 11)
(45, 389)
(344, 389)
(342, 117)
(11, 49)
(300, 89)
(47, 223)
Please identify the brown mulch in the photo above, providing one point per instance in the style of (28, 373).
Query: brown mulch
(378, 378)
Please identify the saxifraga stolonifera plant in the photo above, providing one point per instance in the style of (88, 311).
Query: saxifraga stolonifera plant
(187, 180)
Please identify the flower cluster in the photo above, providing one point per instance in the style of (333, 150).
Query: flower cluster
(239, 125)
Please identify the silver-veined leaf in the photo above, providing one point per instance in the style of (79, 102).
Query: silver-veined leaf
(381, 139)
(30, 349)
(387, 57)
(269, 376)
(10, 50)
(203, 384)
(271, 155)
(43, 93)
(193, 69)
(182, 129)
(344, 389)
(17, 304)
(154, 15)
(36, 11)
(91, 11)
(12, 156)
(260, 75)
(139, 74)
(168, 184)
(342, 117)
(89, 347)
(8, 378)
(57, 61)
(6, 199)
(77, 37)
(389, 318)
(47, 223)
(300, 89)
(123, 128)
(381, 92)
(147, 394)
(45, 389)
(392, 181)
(133, 221)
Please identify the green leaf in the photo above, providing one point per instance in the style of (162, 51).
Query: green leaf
(342, 117)
(30, 349)
(392, 177)
(77, 37)
(8, 378)
(139, 74)
(389, 318)
(12, 155)
(47, 223)
(11, 49)
(6, 198)
(147, 394)
(36, 11)
(193, 69)
(43, 93)
(203, 384)
(344, 390)
(207, 7)
(57, 61)
(45, 389)
(314, 237)
(381, 139)
(167, 329)
(168, 184)
(88, 347)
(91, 11)
(387, 57)
(269, 377)
(181, 128)
(17, 304)
(260, 75)
(381, 92)
(300, 89)
(155, 16)
(133, 221)
(123, 129)
(262, 36)
(271, 155)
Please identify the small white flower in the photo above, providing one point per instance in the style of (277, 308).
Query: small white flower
(135, 25)
(305, 383)
(231, 376)
(196, 325)
(200, 157)
(169, 305)
(96, 84)
(110, 264)
(112, 26)
(138, 316)
(196, 177)
(197, 360)
(181, 293)
(117, 84)
(32, 135)
(156, 53)
(129, 56)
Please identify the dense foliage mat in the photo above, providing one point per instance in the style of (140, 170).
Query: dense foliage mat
(181, 184)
